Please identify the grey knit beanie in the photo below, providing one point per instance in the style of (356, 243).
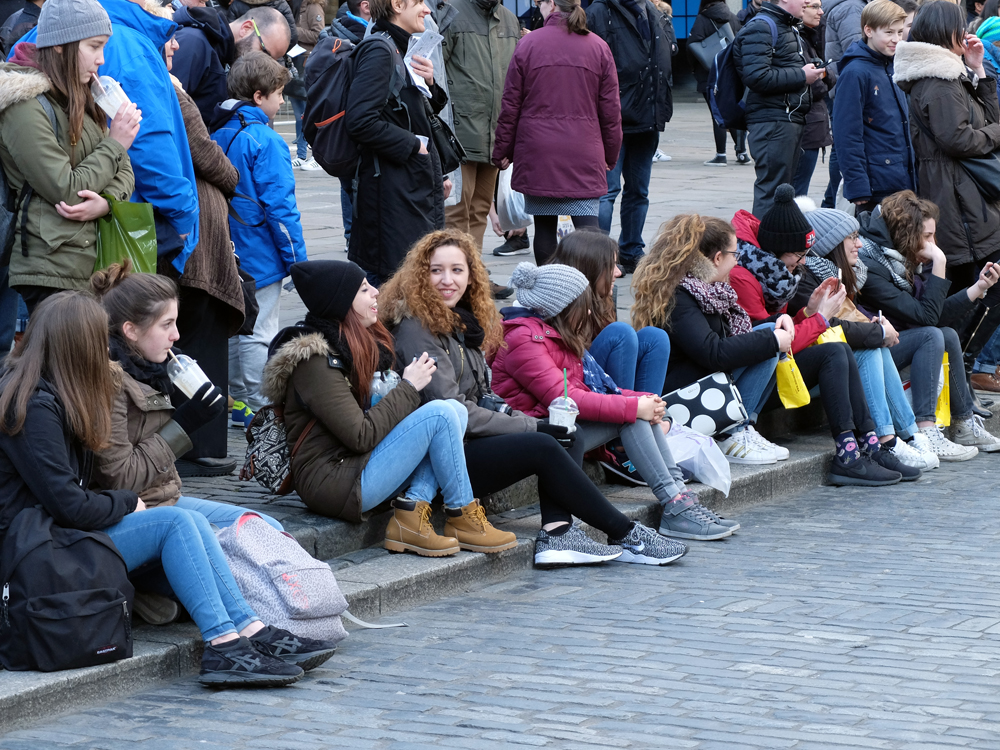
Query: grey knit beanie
(548, 290)
(832, 228)
(65, 21)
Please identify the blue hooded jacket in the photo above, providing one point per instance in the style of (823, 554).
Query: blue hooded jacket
(871, 127)
(266, 252)
(161, 158)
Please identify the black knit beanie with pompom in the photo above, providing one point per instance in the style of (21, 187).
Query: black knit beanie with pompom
(784, 229)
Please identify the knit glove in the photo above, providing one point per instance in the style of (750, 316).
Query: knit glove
(208, 403)
(560, 433)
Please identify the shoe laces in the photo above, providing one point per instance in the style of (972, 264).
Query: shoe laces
(977, 426)
(479, 515)
(425, 519)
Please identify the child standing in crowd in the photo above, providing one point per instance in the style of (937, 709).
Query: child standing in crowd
(270, 240)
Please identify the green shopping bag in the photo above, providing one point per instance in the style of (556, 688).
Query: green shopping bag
(127, 231)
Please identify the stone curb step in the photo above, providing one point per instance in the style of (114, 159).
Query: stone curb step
(377, 583)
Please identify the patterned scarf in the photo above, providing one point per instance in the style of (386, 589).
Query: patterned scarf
(891, 260)
(718, 298)
(824, 269)
(779, 284)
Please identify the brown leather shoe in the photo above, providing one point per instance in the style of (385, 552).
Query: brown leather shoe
(986, 381)
(474, 533)
(410, 530)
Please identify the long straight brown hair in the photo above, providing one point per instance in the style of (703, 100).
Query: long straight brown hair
(363, 343)
(63, 71)
(575, 323)
(66, 343)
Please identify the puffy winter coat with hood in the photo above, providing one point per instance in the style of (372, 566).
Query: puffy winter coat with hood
(60, 252)
(842, 19)
(206, 51)
(346, 26)
(871, 125)
(529, 373)
(963, 118)
(778, 91)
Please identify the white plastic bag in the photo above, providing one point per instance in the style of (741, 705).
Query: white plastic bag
(698, 455)
(510, 205)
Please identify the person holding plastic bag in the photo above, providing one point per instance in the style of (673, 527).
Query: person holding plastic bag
(64, 169)
(907, 282)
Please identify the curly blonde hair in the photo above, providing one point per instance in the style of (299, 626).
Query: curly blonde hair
(671, 256)
(409, 291)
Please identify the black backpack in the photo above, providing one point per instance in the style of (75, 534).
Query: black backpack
(11, 203)
(65, 597)
(726, 90)
(329, 72)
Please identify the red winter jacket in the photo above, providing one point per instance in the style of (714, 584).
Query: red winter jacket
(751, 297)
(560, 119)
(529, 375)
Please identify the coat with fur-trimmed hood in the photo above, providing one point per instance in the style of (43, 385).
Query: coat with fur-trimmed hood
(58, 253)
(963, 118)
(311, 379)
(700, 343)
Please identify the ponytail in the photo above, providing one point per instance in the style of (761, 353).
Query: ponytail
(576, 17)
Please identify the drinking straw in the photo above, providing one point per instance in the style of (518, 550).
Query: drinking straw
(565, 384)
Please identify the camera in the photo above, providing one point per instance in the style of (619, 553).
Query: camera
(493, 402)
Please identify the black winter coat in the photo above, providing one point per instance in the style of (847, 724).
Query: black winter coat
(644, 68)
(206, 51)
(817, 132)
(777, 84)
(44, 464)
(710, 19)
(859, 335)
(700, 344)
(238, 8)
(400, 195)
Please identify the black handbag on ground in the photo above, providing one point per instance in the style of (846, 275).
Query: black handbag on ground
(449, 150)
(706, 50)
(984, 170)
(709, 406)
(65, 597)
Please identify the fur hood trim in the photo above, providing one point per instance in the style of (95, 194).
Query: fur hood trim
(916, 60)
(281, 365)
(701, 267)
(19, 84)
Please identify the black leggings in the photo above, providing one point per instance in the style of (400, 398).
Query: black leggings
(563, 489)
(546, 238)
(739, 136)
(832, 366)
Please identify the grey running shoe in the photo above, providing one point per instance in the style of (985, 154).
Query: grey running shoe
(727, 522)
(685, 518)
(238, 664)
(572, 548)
(644, 546)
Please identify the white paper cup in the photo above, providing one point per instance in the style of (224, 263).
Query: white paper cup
(423, 139)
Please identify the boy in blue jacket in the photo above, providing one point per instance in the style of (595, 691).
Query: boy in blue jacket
(269, 239)
(871, 128)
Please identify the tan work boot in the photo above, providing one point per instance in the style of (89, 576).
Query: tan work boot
(410, 530)
(469, 526)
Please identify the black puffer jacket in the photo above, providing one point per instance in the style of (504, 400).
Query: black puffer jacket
(708, 20)
(774, 75)
(644, 68)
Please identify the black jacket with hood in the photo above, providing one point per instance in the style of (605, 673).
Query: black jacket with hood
(207, 49)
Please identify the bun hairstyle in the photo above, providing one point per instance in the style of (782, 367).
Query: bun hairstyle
(576, 16)
(137, 298)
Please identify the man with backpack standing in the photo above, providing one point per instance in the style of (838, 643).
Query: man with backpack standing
(768, 55)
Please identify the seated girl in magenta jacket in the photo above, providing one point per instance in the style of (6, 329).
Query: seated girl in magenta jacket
(546, 341)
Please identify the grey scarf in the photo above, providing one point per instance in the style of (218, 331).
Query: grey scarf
(891, 260)
(824, 268)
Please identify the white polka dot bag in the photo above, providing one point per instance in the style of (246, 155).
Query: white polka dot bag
(710, 406)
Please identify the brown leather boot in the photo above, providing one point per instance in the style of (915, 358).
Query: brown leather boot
(987, 381)
(410, 530)
(474, 533)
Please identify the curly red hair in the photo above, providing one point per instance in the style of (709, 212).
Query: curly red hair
(409, 291)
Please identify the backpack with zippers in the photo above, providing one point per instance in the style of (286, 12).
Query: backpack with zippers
(65, 597)
(268, 459)
(726, 90)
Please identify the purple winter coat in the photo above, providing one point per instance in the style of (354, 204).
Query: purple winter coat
(560, 120)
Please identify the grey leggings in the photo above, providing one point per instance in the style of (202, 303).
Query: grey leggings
(646, 446)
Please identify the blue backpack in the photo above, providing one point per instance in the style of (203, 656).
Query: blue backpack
(726, 92)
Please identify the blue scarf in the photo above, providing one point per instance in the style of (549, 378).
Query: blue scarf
(595, 378)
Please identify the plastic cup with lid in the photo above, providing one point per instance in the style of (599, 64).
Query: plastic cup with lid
(108, 95)
(563, 411)
(186, 374)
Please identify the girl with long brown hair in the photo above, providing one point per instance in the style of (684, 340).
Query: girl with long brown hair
(56, 395)
(60, 173)
(358, 429)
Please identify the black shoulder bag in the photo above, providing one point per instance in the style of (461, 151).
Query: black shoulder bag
(449, 150)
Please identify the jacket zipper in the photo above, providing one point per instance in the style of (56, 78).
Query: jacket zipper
(128, 620)
(3, 607)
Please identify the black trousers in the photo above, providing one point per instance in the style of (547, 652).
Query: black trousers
(564, 490)
(774, 147)
(833, 368)
(546, 234)
(34, 295)
(977, 330)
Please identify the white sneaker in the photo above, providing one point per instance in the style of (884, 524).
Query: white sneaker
(310, 165)
(780, 452)
(741, 449)
(660, 156)
(944, 449)
(910, 456)
(972, 432)
(296, 163)
(922, 445)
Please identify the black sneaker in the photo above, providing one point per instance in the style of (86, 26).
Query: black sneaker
(238, 664)
(501, 292)
(861, 473)
(293, 649)
(628, 265)
(516, 244)
(888, 460)
(743, 158)
(620, 466)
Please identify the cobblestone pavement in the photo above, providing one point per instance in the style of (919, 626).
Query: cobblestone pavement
(837, 619)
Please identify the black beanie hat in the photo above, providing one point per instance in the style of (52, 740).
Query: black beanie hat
(784, 229)
(327, 287)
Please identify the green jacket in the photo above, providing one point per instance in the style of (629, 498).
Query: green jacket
(61, 253)
(478, 46)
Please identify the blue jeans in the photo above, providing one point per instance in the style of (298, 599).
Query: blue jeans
(884, 390)
(193, 561)
(635, 164)
(804, 172)
(422, 453)
(221, 514)
(636, 360)
(830, 197)
(755, 382)
(8, 313)
(301, 147)
(346, 207)
(989, 357)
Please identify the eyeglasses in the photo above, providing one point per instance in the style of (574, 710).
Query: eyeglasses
(853, 236)
(259, 38)
(737, 254)
(801, 256)
(813, 6)
(540, 3)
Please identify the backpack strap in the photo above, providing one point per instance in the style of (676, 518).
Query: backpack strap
(305, 432)
(229, 201)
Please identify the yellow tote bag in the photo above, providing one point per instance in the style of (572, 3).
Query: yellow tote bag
(791, 388)
(942, 412)
(832, 336)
